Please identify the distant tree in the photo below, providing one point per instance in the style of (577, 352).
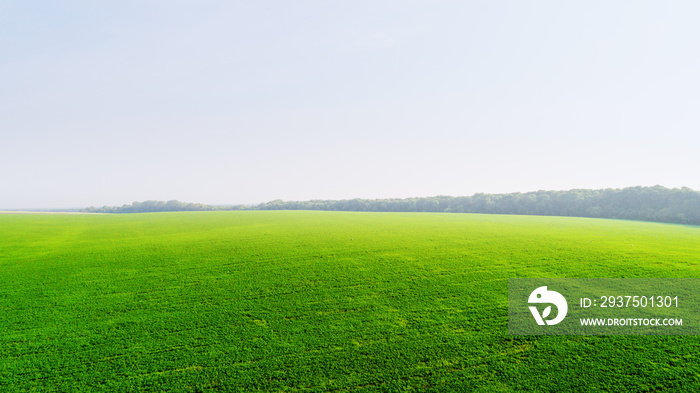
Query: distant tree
(633, 203)
(159, 206)
(656, 203)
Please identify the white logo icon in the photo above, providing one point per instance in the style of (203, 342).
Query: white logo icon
(542, 295)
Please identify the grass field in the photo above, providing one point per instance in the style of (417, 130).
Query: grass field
(320, 301)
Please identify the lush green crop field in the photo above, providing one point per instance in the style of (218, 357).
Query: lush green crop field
(316, 301)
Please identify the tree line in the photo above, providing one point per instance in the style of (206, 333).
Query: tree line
(660, 204)
(159, 206)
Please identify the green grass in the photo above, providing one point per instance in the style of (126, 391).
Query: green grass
(320, 301)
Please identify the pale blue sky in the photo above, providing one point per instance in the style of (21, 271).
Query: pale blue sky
(105, 103)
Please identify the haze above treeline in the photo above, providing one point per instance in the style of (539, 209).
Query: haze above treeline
(108, 102)
(657, 203)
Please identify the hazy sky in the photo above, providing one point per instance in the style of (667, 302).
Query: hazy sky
(105, 103)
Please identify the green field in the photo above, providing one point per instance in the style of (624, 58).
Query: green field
(320, 301)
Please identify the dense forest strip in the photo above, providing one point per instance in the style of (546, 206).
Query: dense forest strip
(659, 204)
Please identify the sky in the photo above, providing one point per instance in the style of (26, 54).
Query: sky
(227, 102)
